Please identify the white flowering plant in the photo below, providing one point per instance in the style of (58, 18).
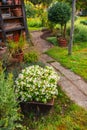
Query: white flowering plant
(35, 83)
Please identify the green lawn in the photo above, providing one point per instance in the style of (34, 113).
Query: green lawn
(77, 62)
(65, 115)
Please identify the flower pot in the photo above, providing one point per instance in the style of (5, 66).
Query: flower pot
(19, 56)
(9, 2)
(62, 42)
(17, 12)
(36, 107)
(16, 37)
(17, 2)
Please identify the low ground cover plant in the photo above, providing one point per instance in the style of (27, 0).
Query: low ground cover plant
(35, 83)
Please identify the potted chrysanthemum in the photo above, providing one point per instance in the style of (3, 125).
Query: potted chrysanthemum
(37, 85)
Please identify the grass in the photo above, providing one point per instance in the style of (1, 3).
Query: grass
(53, 40)
(77, 62)
(65, 115)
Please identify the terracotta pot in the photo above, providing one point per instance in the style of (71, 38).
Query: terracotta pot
(19, 56)
(17, 12)
(17, 2)
(9, 2)
(16, 37)
(62, 42)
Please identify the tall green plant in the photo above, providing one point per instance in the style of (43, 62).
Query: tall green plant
(8, 105)
(59, 13)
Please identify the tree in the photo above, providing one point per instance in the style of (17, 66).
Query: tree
(72, 28)
(59, 13)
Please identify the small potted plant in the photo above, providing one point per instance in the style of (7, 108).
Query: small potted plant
(37, 85)
(16, 49)
(59, 13)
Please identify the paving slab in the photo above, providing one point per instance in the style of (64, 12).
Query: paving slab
(70, 75)
(74, 93)
(81, 85)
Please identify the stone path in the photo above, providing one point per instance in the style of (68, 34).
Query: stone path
(72, 84)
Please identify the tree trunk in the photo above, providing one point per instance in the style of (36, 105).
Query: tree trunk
(61, 30)
(72, 28)
(64, 33)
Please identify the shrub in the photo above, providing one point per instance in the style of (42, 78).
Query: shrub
(84, 12)
(35, 83)
(8, 105)
(34, 22)
(31, 57)
(59, 13)
(30, 10)
(84, 22)
(80, 33)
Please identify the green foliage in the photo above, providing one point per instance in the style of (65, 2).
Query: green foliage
(80, 33)
(81, 36)
(79, 58)
(84, 12)
(59, 12)
(84, 22)
(16, 47)
(8, 105)
(31, 57)
(46, 2)
(44, 19)
(30, 10)
(34, 22)
(65, 115)
(53, 40)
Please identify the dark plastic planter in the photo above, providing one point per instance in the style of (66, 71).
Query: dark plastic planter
(36, 107)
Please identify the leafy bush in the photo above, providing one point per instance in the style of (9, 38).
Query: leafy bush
(84, 22)
(44, 19)
(84, 12)
(59, 12)
(36, 22)
(30, 10)
(31, 57)
(8, 105)
(80, 33)
(35, 83)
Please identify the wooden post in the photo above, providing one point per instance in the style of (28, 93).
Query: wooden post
(25, 22)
